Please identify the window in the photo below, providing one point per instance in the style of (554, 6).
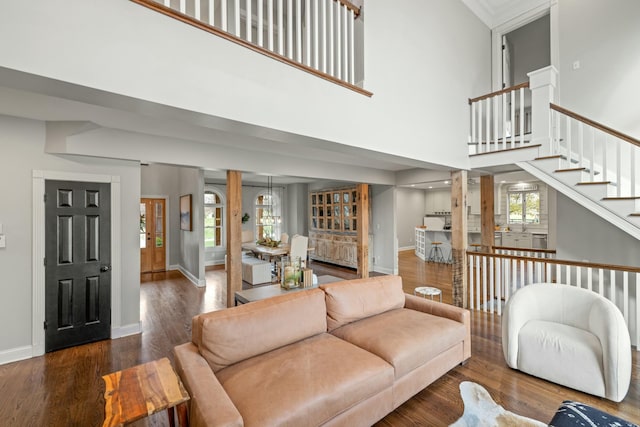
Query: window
(213, 219)
(524, 207)
(268, 219)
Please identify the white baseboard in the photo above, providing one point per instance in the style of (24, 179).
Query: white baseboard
(383, 270)
(214, 262)
(193, 279)
(407, 248)
(125, 331)
(16, 354)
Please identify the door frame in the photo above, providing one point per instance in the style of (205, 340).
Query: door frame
(167, 218)
(543, 8)
(38, 252)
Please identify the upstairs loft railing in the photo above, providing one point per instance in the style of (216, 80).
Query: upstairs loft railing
(606, 155)
(500, 120)
(316, 36)
(494, 277)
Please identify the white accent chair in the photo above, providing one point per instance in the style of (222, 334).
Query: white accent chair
(570, 336)
(284, 238)
(299, 246)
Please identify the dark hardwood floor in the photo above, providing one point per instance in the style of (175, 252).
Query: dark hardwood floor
(65, 388)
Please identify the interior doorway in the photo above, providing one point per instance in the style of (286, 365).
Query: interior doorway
(526, 49)
(152, 235)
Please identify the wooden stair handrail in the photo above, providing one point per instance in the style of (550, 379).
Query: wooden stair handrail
(154, 5)
(595, 124)
(499, 92)
(628, 268)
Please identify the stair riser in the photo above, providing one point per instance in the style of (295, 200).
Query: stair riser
(571, 178)
(634, 220)
(596, 192)
(547, 165)
(621, 207)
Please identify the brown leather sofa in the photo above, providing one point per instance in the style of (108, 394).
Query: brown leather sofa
(346, 354)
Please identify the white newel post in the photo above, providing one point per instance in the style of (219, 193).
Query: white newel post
(542, 83)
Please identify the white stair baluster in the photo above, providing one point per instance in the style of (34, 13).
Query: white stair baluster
(323, 33)
(212, 13)
(298, 31)
(494, 107)
(248, 21)
(569, 148)
(605, 166)
(471, 282)
(632, 170)
(593, 154)
(269, 24)
(331, 38)
(487, 102)
(223, 15)
(477, 258)
(196, 8)
(183, 6)
(167, 3)
(316, 44)
(260, 29)
(625, 296)
(473, 125)
(618, 167)
(590, 278)
(352, 54)
(513, 117)
(521, 116)
(504, 119)
(480, 145)
(290, 29)
(338, 41)
(345, 44)
(492, 284)
(280, 13)
(307, 32)
(581, 161)
(484, 282)
(612, 286)
(236, 11)
(601, 281)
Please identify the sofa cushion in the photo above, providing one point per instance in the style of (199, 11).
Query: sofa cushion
(562, 354)
(229, 336)
(404, 338)
(306, 383)
(356, 299)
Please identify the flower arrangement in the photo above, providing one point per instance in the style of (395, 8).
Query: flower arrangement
(245, 217)
(267, 241)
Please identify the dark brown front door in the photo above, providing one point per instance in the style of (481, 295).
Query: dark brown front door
(77, 263)
(152, 235)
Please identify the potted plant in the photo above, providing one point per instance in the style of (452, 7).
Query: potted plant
(245, 217)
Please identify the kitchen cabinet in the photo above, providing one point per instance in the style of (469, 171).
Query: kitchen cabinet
(517, 240)
(438, 202)
(421, 249)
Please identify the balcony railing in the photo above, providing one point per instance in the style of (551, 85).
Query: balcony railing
(500, 120)
(493, 278)
(317, 36)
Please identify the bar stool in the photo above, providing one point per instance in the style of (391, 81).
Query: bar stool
(435, 254)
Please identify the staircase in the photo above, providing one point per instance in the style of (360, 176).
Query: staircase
(590, 163)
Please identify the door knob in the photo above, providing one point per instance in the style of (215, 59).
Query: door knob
(105, 268)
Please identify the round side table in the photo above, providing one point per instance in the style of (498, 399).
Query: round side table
(428, 291)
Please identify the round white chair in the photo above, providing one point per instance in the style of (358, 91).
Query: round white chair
(570, 336)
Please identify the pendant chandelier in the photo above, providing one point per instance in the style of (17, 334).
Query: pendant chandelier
(269, 218)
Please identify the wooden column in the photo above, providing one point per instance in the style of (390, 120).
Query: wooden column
(234, 235)
(362, 219)
(459, 237)
(487, 218)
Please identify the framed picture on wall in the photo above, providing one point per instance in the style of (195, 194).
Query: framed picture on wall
(185, 212)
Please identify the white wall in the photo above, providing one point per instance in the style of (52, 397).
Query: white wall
(410, 212)
(296, 209)
(423, 60)
(604, 37)
(22, 143)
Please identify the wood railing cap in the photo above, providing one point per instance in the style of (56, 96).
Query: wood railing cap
(499, 92)
(593, 123)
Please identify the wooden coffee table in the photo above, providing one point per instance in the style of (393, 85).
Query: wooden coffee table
(134, 393)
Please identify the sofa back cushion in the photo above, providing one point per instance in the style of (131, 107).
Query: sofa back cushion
(229, 336)
(356, 299)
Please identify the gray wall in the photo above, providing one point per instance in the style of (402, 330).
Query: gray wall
(296, 209)
(410, 212)
(604, 36)
(23, 142)
(530, 49)
(383, 228)
(191, 243)
(584, 236)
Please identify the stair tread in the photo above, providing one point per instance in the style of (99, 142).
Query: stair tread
(557, 156)
(570, 170)
(635, 214)
(622, 198)
(594, 183)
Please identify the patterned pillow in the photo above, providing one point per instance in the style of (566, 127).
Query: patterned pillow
(578, 414)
